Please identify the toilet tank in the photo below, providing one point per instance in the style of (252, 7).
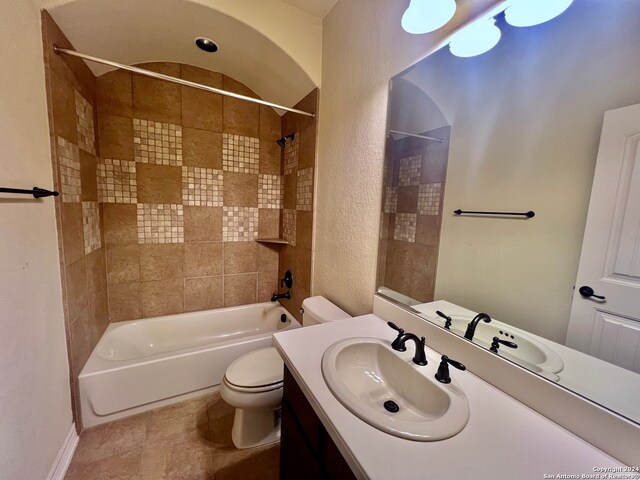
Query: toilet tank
(318, 309)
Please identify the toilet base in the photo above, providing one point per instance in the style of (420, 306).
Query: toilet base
(255, 428)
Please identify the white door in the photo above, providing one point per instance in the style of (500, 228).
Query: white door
(609, 328)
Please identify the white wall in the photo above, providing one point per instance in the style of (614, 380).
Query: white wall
(363, 47)
(35, 402)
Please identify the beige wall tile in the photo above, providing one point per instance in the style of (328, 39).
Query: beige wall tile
(88, 177)
(304, 229)
(201, 148)
(159, 184)
(303, 268)
(119, 223)
(287, 261)
(268, 223)
(270, 157)
(77, 288)
(72, 231)
(63, 107)
(114, 91)
(99, 317)
(123, 264)
(201, 109)
(241, 117)
(240, 189)
(202, 293)
(80, 341)
(293, 306)
(202, 224)
(408, 199)
(200, 75)
(125, 302)
(268, 256)
(202, 259)
(290, 183)
(115, 137)
(164, 297)
(240, 257)
(159, 262)
(270, 123)
(96, 273)
(240, 289)
(428, 230)
(307, 147)
(156, 99)
(267, 285)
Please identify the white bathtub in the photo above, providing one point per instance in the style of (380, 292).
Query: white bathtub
(143, 364)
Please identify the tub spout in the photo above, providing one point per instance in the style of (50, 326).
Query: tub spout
(276, 296)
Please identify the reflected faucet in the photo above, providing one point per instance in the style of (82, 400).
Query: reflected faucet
(471, 328)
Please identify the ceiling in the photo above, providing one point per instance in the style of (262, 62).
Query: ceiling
(317, 8)
(272, 48)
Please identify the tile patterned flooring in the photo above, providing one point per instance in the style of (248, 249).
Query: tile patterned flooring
(186, 441)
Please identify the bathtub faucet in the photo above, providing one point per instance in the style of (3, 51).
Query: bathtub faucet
(276, 296)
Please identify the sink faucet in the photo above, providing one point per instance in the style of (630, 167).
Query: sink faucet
(420, 358)
(276, 296)
(471, 328)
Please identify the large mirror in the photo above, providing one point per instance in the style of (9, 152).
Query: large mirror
(519, 129)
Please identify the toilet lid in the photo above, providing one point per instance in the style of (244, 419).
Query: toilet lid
(256, 369)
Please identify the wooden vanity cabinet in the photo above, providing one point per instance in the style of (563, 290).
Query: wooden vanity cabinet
(306, 448)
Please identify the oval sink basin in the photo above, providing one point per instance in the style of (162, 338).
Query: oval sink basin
(391, 393)
(530, 353)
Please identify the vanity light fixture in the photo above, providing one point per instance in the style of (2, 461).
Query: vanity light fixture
(475, 39)
(424, 16)
(526, 13)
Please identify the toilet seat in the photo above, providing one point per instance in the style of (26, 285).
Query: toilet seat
(255, 372)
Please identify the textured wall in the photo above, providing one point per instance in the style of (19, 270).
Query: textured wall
(363, 46)
(71, 93)
(35, 405)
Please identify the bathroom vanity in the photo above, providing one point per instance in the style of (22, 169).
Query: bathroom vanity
(502, 439)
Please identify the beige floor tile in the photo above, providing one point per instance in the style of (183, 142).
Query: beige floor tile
(123, 466)
(111, 439)
(261, 463)
(178, 418)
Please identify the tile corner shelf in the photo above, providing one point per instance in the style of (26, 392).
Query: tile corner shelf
(278, 241)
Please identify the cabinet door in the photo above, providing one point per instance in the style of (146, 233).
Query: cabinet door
(297, 461)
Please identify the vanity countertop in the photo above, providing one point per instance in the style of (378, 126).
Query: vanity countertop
(503, 439)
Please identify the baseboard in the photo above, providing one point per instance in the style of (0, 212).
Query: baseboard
(63, 459)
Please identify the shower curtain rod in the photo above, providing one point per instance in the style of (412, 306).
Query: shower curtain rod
(424, 137)
(179, 81)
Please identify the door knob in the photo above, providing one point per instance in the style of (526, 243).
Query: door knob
(588, 292)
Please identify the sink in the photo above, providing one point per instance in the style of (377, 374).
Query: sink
(365, 374)
(530, 353)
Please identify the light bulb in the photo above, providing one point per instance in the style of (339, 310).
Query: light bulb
(424, 16)
(526, 13)
(475, 39)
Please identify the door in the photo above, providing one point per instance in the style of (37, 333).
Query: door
(609, 328)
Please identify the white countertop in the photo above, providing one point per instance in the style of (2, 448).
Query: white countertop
(503, 439)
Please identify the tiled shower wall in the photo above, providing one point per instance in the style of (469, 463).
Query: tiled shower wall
(71, 93)
(187, 181)
(414, 181)
(297, 219)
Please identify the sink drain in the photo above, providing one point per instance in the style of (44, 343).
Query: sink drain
(391, 406)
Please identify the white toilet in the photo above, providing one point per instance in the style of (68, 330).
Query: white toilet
(253, 383)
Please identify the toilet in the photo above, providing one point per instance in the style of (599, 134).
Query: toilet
(253, 383)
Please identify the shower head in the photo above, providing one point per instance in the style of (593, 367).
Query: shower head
(282, 141)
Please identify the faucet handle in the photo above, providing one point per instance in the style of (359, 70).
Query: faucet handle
(442, 375)
(395, 327)
(397, 343)
(497, 342)
(447, 318)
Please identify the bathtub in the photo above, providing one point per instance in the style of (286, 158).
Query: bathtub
(143, 364)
